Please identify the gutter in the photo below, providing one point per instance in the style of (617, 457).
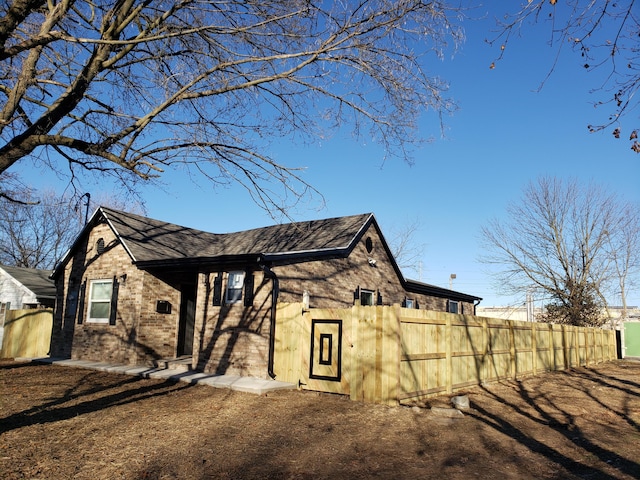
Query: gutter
(275, 290)
(475, 305)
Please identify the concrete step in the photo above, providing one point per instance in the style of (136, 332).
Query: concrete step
(258, 386)
(178, 364)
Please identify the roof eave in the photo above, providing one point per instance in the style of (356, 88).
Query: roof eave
(414, 286)
(283, 257)
(195, 262)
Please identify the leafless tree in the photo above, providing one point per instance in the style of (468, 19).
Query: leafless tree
(567, 240)
(34, 234)
(405, 248)
(624, 248)
(37, 228)
(130, 89)
(605, 35)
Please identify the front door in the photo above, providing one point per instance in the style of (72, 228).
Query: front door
(187, 320)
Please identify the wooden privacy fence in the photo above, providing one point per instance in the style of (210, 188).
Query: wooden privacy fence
(389, 354)
(27, 333)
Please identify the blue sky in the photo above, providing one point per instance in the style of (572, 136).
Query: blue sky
(504, 135)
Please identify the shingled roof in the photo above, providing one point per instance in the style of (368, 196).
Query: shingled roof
(150, 241)
(38, 281)
(154, 243)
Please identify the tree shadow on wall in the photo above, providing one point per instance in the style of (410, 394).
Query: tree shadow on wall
(71, 299)
(222, 331)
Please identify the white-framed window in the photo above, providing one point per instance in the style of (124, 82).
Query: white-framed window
(408, 303)
(100, 292)
(366, 297)
(235, 282)
(453, 306)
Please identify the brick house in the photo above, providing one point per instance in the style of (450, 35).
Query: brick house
(135, 290)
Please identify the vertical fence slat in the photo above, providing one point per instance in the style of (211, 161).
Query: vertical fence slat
(448, 355)
(392, 354)
(534, 349)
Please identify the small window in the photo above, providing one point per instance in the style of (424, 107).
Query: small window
(453, 306)
(368, 244)
(100, 246)
(408, 303)
(235, 282)
(100, 300)
(366, 297)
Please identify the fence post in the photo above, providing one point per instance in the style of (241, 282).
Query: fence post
(484, 368)
(552, 349)
(380, 393)
(512, 350)
(587, 346)
(565, 347)
(356, 386)
(393, 396)
(534, 348)
(448, 335)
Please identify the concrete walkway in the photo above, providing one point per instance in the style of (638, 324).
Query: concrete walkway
(253, 385)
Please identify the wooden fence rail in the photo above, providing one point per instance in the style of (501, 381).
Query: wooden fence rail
(463, 350)
(391, 354)
(27, 333)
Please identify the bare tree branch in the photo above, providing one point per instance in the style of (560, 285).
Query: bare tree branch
(37, 228)
(138, 86)
(605, 35)
(406, 251)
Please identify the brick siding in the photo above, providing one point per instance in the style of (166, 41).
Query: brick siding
(228, 339)
(139, 335)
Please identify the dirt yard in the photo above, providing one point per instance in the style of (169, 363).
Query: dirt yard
(62, 422)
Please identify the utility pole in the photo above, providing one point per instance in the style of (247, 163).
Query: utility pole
(86, 212)
(531, 316)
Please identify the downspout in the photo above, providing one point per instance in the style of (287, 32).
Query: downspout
(275, 290)
(475, 305)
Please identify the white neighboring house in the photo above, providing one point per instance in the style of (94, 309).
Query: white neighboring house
(24, 288)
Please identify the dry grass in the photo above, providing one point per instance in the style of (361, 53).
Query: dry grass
(61, 422)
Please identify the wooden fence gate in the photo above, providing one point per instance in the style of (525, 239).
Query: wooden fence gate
(27, 333)
(388, 354)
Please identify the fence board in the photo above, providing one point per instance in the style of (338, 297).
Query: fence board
(27, 333)
(288, 343)
(393, 354)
